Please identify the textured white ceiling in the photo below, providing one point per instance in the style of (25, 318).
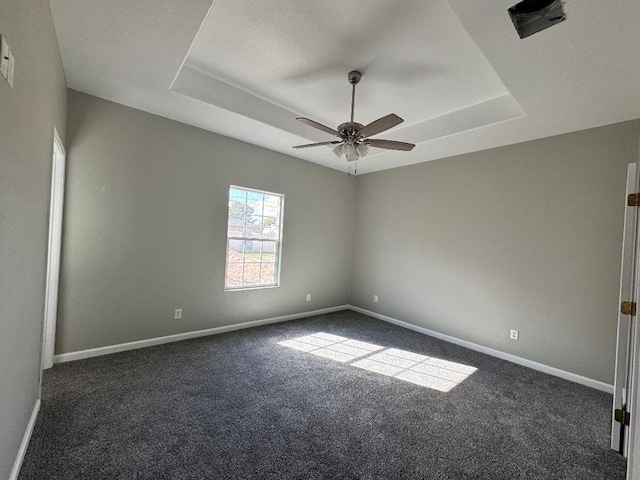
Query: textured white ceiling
(456, 71)
(417, 59)
(113, 42)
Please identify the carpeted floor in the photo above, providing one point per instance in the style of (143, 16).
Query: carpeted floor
(242, 406)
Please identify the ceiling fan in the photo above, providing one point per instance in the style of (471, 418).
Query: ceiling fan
(354, 140)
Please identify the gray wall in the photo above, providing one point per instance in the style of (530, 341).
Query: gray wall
(145, 228)
(527, 236)
(28, 113)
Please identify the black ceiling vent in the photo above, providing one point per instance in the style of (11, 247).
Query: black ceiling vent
(532, 16)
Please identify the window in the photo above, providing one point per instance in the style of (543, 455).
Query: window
(253, 239)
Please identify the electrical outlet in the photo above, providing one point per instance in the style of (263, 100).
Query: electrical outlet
(375, 299)
(308, 297)
(177, 314)
(514, 335)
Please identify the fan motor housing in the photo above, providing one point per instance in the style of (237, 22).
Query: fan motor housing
(349, 129)
(354, 77)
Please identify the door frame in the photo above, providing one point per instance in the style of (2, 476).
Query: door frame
(633, 449)
(625, 339)
(633, 443)
(54, 250)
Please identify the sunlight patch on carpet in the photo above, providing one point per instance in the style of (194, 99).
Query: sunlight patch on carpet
(430, 372)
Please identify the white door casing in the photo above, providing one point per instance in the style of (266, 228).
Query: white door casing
(633, 450)
(54, 251)
(621, 391)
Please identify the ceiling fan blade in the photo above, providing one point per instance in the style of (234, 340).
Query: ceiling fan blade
(391, 145)
(317, 144)
(319, 126)
(380, 125)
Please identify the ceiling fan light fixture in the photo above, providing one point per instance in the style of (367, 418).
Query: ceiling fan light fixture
(338, 151)
(353, 157)
(349, 148)
(362, 149)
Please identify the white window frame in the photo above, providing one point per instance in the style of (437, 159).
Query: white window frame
(278, 242)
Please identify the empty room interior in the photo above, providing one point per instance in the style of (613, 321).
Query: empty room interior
(319, 240)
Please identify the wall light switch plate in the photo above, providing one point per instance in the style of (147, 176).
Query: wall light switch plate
(177, 314)
(4, 57)
(308, 297)
(375, 298)
(12, 66)
(514, 335)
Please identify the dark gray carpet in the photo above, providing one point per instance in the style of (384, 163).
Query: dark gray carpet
(240, 406)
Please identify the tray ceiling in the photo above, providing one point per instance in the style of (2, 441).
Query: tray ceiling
(455, 71)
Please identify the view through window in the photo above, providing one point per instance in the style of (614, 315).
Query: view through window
(253, 239)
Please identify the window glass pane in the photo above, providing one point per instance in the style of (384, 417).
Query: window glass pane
(271, 206)
(237, 207)
(270, 227)
(254, 203)
(252, 251)
(235, 251)
(254, 229)
(268, 252)
(268, 274)
(251, 274)
(237, 195)
(234, 275)
(235, 229)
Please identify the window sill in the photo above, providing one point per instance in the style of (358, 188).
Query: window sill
(244, 289)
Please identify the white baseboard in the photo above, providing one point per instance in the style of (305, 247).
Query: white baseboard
(589, 382)
(25, 442)
(122, 347)
(94, 352)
